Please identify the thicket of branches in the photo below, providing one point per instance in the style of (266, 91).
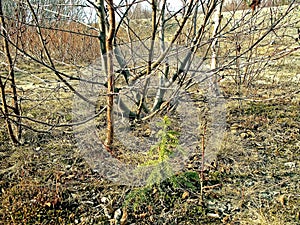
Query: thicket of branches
(212, 37)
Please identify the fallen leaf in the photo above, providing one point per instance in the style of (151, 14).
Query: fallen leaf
(48, 204)
(185, 195)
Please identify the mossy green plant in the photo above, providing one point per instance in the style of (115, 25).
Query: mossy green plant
(162, 174)
(168, 141)
(158, 158)
(160, 153)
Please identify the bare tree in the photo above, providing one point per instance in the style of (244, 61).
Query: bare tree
(217, 43)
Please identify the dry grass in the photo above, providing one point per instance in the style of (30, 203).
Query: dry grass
(254, 181)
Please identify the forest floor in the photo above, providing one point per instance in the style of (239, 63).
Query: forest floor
(254, 180)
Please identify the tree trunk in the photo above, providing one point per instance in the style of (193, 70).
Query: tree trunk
(110, 75)
(214, 46)
(15, 137)
(102, 32)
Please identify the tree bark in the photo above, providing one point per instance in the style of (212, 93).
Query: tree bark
(110, 75)
(11, 78)
(102, 31)
(214, 46)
